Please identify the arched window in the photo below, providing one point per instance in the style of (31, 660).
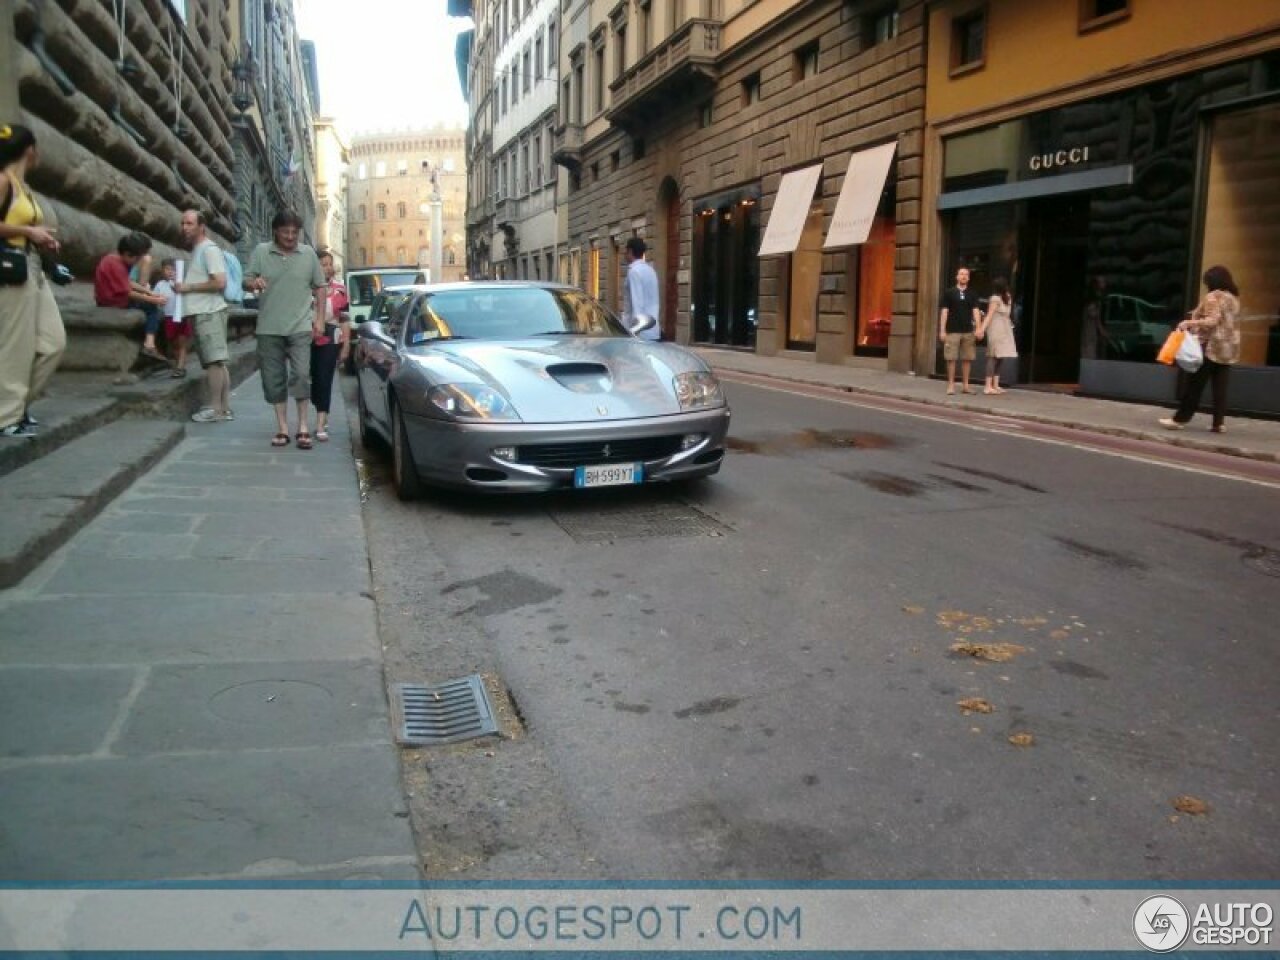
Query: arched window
(424, 256)
(363, 171)
(380, 168)
(400, 255)
(364, 213)
(400, 209)
(382, 211)
(450, 257)
(364, 257)
(382, 255)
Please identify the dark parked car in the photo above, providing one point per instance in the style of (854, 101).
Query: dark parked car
(383, 307)
(532, 386)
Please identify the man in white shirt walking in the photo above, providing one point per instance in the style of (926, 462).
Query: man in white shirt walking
(203, 301)
(642, 290)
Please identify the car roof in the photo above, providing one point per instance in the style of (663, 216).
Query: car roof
(493, 285)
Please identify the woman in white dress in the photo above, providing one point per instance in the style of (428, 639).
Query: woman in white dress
(997, 328)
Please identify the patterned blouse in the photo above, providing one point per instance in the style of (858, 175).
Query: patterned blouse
(1217, 323)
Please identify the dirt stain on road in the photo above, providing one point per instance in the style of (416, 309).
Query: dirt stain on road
(997, 477)
(1112, 558)
(889, 483)
(705, 708)
(811, 439)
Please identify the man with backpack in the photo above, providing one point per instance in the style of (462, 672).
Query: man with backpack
(202, 290)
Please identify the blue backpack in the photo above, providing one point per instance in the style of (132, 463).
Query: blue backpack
(233, 292)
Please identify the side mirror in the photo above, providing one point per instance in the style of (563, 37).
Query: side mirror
(373, 330)
(642, 322)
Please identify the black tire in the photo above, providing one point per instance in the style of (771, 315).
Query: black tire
(404, 475)
(370, 439)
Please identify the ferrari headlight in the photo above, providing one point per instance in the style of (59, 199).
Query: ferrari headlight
(471, 401)
(698, 388)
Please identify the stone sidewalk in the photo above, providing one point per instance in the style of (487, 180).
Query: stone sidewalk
(192, 687)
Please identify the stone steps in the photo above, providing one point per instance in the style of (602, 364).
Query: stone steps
(99, 431)
(45, 502)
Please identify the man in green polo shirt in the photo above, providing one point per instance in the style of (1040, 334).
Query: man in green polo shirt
(290, 285)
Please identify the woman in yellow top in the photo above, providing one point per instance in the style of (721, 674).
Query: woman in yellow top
(31, 335)
(1216, 322)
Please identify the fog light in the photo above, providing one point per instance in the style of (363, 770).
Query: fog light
(691, 440)
(504, 453)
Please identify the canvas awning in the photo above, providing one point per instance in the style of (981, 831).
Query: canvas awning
(790, 211)
(860, 196)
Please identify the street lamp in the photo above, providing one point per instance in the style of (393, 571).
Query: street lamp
(241, 85)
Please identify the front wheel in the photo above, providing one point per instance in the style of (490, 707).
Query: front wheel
(404, 475)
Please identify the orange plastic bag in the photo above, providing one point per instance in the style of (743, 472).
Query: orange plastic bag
(1170, 349)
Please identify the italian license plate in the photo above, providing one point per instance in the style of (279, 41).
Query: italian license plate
(608, 475)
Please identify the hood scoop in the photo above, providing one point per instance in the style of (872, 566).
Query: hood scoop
(581, 377)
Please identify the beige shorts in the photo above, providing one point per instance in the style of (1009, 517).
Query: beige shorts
(211, 337)
(959, 346)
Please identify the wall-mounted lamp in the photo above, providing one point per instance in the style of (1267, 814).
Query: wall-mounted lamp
(241, 85)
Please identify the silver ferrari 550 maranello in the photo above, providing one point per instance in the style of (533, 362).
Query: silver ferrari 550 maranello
(512, 386)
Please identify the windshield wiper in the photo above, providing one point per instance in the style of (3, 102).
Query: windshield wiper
(561, 333)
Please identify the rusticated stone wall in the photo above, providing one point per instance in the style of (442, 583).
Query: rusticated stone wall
(118, 150)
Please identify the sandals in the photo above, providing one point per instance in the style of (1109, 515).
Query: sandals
(280, 440)
(322, 435)
(304, 440)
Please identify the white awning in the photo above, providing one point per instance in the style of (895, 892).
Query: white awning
(790, 211)
(859, 197)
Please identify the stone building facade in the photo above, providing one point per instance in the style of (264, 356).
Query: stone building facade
(132, 115)
(522, 110)
(273, 89)
(678, 123)
(1103, 181)
(332, 157)
(145, 108)
(393, 182)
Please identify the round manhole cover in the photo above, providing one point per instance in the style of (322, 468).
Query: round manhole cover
(1264, 561)
(259, 699)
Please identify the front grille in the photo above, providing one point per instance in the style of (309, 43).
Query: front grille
(625, 450)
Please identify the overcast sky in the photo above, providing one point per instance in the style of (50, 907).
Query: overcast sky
(385, 64)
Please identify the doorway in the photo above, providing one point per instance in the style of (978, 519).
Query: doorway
(1048, 326)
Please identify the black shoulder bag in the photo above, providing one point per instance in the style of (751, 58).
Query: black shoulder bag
(13, 262)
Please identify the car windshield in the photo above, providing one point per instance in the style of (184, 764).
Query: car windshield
(362, 288)
(513, 313)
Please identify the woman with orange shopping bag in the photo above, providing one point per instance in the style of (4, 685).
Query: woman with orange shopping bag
(1216, 324)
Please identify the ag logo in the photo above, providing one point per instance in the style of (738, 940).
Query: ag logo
(1161, 923)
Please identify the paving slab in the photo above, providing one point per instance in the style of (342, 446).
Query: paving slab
(192, 686)
(79, 575)
(188, 629)
(225, 706)
(52, 498)
(220, 813)
(89, 699)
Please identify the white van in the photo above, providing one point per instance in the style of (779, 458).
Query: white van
(366, 283)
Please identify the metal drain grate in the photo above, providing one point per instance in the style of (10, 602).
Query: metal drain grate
(446, 713)
(639, 521)
(1264, 561)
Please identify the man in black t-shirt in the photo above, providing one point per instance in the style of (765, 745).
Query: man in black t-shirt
(955, 330)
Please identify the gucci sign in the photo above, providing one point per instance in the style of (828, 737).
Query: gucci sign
(1059, 158)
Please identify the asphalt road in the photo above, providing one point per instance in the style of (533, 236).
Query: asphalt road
(757, 676)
